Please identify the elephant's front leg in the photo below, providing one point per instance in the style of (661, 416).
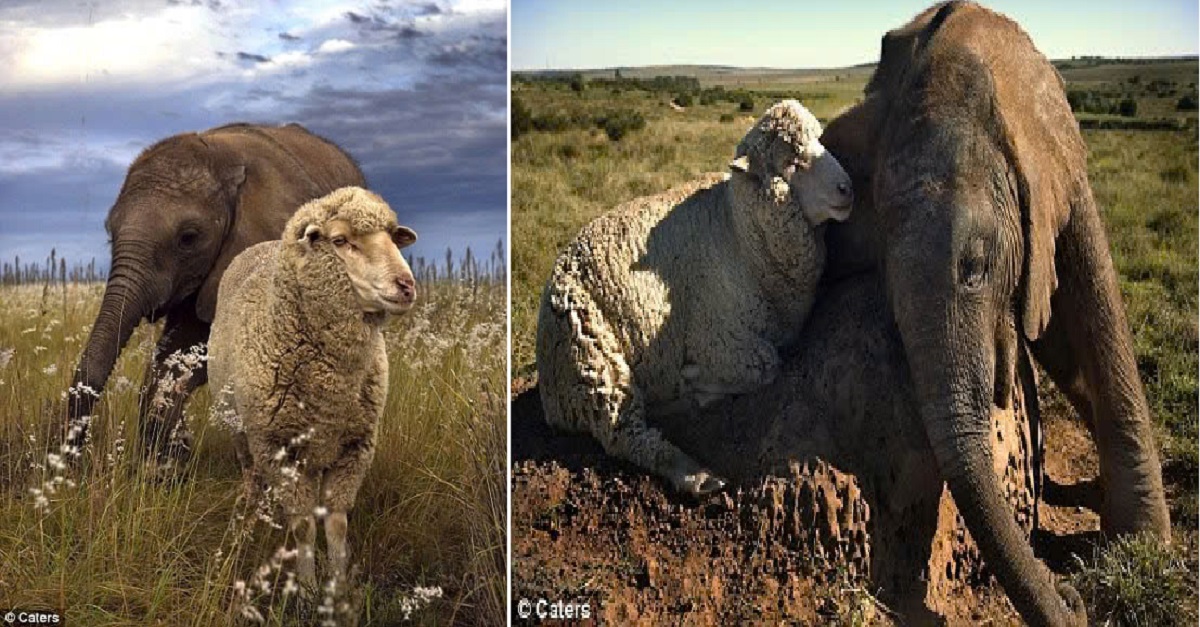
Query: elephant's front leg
(177, 369)
(1088, 351)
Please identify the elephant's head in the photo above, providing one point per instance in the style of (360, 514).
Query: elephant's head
(167, 228)
(975, 163)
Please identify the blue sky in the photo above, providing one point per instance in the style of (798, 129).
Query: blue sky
(415, 90)
(793, 34)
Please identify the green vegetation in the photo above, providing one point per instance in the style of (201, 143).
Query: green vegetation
(1137, 582)
(1142, 167)
(113, 545)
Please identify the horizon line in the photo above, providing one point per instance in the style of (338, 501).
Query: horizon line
(1190, 56)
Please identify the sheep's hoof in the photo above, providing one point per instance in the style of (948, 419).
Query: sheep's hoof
(702, 484)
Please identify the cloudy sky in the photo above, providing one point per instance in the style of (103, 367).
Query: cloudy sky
(415, 91)
(794, 34)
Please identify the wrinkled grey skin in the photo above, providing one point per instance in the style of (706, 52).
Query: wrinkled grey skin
(974, 203)
(190, 203)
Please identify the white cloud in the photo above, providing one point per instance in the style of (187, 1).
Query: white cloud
(172, 44)
(334, 46)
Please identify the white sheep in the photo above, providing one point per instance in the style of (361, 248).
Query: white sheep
(679, 299)
(297, 352)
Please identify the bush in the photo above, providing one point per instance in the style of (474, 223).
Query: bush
(551, 122)
(684, 99)
(522, 119)
(1186, 103)
(619, 124)
(577, 84)
(1128, 108)
(746, 104)
(725, 118)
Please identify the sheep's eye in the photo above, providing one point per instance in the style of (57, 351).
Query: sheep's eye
(340, 240)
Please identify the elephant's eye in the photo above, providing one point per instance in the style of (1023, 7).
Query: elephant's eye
(188, 238)
(972, 266)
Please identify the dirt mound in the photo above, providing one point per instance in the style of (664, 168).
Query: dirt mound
(834, 499)
(794, 547)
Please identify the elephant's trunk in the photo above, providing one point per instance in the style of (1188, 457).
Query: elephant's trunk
(964, 455)
(126, 301)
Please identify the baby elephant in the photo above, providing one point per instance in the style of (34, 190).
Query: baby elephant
(680, 299)
(297, 352)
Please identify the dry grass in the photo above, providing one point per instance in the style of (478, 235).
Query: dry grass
(114, 546)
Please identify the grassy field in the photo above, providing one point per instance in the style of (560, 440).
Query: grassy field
(110, 545)
(1145, 182)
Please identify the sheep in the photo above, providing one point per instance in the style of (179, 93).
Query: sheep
(297, 353)
(674, 301)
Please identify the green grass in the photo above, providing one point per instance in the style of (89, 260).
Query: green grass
(1145, 183)
(121, 548)
(1137, 582)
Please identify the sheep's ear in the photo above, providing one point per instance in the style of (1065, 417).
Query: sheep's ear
(740, 164)
(404, 236)
(312, 233)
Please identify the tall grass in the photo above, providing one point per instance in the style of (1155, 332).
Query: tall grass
(111, 544)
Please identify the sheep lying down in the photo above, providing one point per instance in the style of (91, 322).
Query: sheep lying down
(297, 352)
(682, 298)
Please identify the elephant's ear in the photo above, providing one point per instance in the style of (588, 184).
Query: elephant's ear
(1049, 159)
(231, 179)
(900, 47)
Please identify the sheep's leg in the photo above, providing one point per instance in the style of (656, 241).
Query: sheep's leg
(241, 449)
(298, 494)
(338, 490)
(739, 367)
(304, 529)
(628, 436)
(587, 385)
(335, 541)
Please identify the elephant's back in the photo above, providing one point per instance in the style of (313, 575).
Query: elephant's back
(323, 162)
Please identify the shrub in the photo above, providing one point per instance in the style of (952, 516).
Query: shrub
(1186, 103)
(522, 119)
(725, 118)
(746, 104)
(1128, 108)
(577, 84)
(551, 122)
(619, 124)
(684, 99)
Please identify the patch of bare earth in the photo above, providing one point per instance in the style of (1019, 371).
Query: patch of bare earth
(587, 528)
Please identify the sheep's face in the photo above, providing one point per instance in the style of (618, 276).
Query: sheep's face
(381, 279)
(783, 154)
(820, 185)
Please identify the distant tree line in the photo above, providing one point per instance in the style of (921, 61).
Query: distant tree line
(470, 268)
(616, 124)
(1094, 60)
(1096, 102)
(52, 270)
